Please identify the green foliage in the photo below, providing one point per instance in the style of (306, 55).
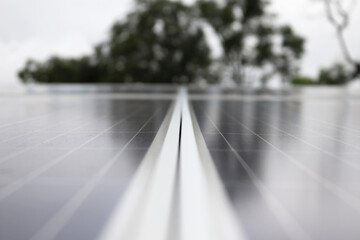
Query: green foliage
(163, 41)
(61, 70)
(252, 9)
(158, 42)
(335, 75)
(304, 80)
(251, 41)
(292, 42)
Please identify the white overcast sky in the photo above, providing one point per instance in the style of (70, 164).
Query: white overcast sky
(40, 28)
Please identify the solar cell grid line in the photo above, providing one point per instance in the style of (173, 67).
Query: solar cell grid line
(9, 189)
(31, 132)
(355, 131)
(58, 221)
(15, 129)
(39, 130)
(264, 112)
(22, 121)
(66, 132)
(348, 130)
(71, 130)
(314, 128)
(290, 225)
(345, 196)
(351, 164)
(27, 110)
(63, 111)
(63, 133)
(349, 126)
(4, 159)
(61, 182)
(11, 128)
(301, 137)
(318, 133)
(269, 167)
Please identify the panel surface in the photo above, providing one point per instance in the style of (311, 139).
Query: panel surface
(65, 161)
(290, 166)
(289, 162)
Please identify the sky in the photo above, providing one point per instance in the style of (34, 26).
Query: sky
(41, 28)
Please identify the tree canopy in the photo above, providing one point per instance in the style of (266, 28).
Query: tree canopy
(334, 75)
(338, 14)
(163, 41)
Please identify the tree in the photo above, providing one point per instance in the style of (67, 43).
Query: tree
(165, 41)
(334, 75)
(62, 70)
(158, 42)
(253, 46)
(304, 80)
(339, 18)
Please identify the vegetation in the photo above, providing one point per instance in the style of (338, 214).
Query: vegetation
(304, 80)
(163, 41)
(338, 15)
(336, 74)
(254, 47)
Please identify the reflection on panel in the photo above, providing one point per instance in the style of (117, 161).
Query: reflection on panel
(65, 162)
(291, 168)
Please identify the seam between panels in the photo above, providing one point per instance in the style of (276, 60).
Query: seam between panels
(176, 192)
(144, 210)
(203, 197)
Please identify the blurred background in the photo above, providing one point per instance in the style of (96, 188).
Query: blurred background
(250, 44)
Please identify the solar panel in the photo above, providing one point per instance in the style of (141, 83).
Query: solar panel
(274, 167)
(289, 166)
(62, 173)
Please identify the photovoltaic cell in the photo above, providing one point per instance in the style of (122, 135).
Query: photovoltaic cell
(289, 164)
(289, 167)
(55, 169)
